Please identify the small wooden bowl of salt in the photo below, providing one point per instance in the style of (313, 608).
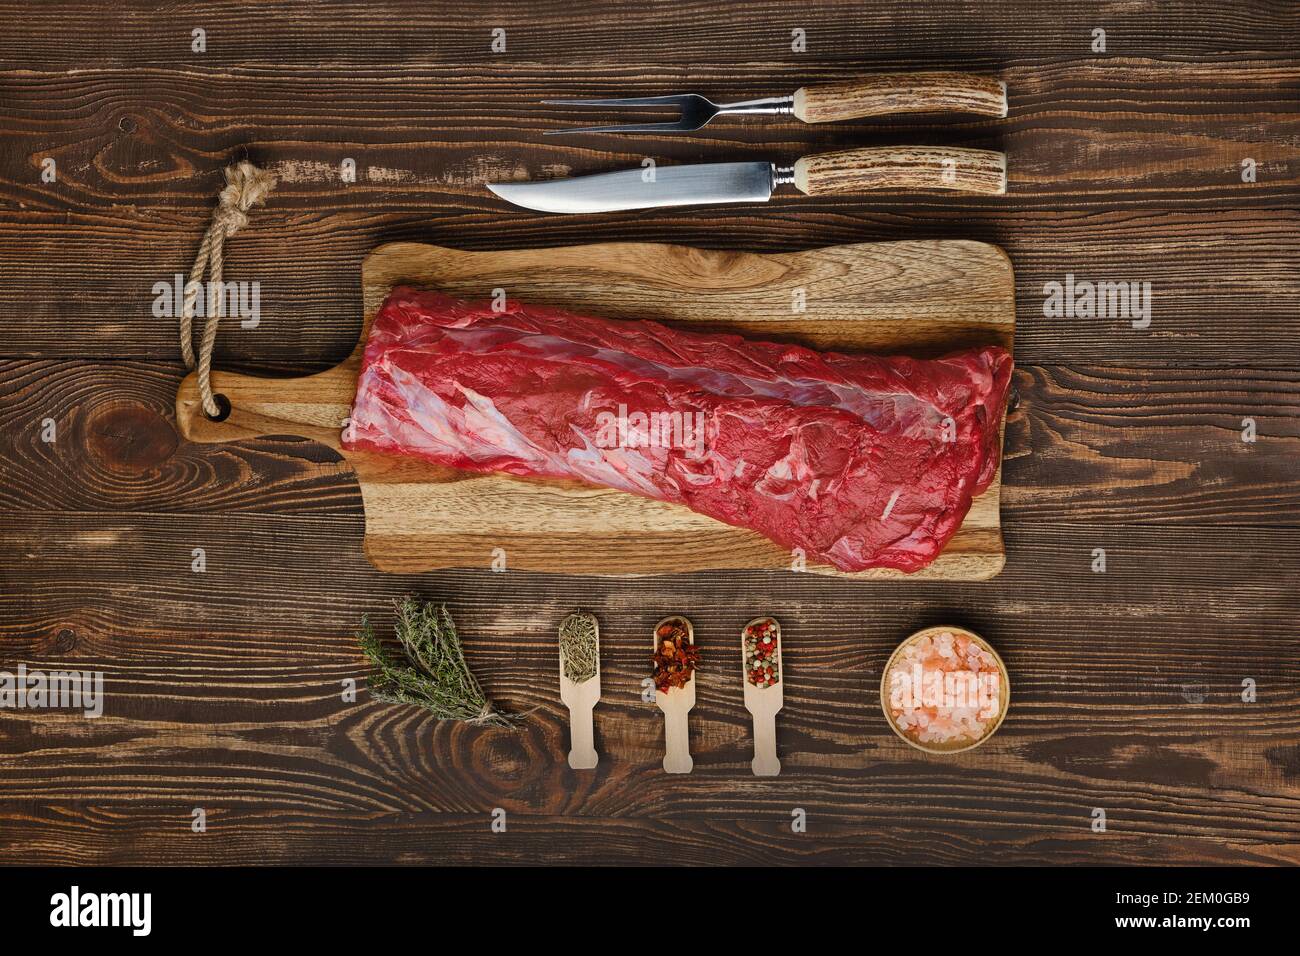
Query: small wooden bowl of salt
(945, 690)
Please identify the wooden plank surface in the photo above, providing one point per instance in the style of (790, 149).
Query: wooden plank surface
(915, 298)
(224, 688)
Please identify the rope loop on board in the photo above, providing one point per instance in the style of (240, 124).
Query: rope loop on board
(246, 186)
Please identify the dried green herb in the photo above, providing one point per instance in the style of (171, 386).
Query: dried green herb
(428, 668)
(580, 646)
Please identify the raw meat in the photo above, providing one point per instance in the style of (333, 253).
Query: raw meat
(860, 461)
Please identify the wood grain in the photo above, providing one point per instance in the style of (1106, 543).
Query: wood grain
(225, 686)
(117, 834)
(887, 93)
(206, 704)
(920, 298)
(889, 36)
(1106, 443)
(1126, 166)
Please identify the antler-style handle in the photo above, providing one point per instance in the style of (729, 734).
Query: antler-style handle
(902, 93)
(902, 167)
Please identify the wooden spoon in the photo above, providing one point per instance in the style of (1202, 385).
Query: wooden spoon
(581, 699)
(676, 703)
(763, 703)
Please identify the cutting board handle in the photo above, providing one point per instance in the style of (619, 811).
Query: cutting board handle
(314, 406)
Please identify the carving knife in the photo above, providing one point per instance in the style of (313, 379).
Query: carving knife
(841, 172)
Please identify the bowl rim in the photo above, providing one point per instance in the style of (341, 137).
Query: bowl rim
(1005, 695)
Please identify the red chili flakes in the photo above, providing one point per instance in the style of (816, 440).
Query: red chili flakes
(677, 656)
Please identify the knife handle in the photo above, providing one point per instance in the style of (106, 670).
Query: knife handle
(902, 167)
(888, 93)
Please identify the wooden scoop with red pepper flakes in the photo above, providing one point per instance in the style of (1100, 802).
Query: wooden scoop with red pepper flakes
(760, 656)
(675, 657)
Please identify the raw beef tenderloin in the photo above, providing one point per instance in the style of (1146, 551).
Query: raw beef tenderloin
(861, 461)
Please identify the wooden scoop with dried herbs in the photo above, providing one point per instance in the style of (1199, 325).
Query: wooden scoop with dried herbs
(580, 684)
(428, 667)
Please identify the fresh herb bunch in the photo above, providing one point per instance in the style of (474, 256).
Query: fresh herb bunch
(430, 670)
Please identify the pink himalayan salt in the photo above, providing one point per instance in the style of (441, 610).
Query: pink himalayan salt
(916, 710)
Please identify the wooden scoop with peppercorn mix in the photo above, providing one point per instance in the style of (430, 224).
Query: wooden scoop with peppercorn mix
(675, 657)
(760, 656)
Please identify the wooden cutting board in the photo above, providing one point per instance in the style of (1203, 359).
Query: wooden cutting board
(921, 298)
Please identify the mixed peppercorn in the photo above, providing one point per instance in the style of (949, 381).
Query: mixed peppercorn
(676, 655)
(762, 660)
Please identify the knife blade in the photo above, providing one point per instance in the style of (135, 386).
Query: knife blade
(636, 189)
(843, 171)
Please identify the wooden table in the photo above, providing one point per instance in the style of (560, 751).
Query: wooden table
(225, 688)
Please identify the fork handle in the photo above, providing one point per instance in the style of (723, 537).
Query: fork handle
(888, 93)
(901, 167)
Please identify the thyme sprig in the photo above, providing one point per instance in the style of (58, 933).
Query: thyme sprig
(428, 669)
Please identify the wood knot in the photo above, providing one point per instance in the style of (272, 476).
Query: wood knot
(126, 437)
